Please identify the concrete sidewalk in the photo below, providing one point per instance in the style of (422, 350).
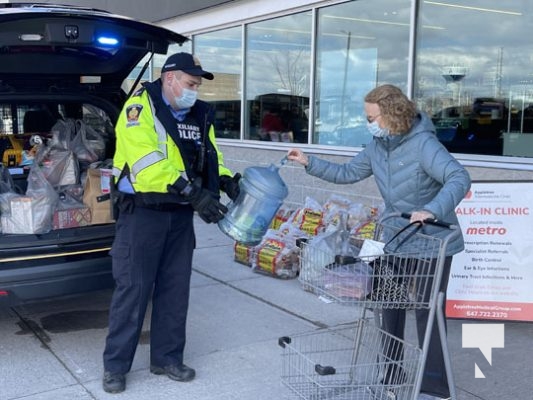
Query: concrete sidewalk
(235, 319)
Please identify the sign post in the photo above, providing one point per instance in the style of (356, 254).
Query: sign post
(492, 279)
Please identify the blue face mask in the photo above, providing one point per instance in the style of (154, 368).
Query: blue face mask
(187, 99)
(376, 131)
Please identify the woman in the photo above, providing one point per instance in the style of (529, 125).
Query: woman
(415, 174)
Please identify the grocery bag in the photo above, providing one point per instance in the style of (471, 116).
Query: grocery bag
(97, 195)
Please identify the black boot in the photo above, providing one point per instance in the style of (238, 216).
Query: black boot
(114, 382)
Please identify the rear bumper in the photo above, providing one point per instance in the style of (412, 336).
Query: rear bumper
(20, 285)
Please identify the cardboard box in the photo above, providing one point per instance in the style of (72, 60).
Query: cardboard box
(71, 218)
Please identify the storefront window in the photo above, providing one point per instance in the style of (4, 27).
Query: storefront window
(474, 76)
(360, 44)
(153, 70)
(220, 52)
(278, 65)
(302, 77)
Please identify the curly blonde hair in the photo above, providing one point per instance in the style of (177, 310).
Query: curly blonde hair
(396, 110)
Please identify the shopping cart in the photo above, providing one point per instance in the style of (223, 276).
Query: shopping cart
(360, 362)
(348, 363)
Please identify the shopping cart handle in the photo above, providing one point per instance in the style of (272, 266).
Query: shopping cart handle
(431, 221)
(282, 341)
(324, 369)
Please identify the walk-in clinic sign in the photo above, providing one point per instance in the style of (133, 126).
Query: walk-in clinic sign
(492, 278)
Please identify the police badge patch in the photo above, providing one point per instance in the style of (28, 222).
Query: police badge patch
(132, 114)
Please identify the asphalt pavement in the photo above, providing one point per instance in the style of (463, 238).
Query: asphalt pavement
(53, 349)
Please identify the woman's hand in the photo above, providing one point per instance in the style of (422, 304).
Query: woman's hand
(298, 156)
(421, 216)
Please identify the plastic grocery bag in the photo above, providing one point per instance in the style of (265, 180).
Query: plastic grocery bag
(60, 167)
(371, 249)
(348, 281)
(33, 212)
(88, 144)
(44, 200)
(56, 159)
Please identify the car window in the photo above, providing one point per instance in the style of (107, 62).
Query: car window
(39, 118)
(24, 118)
(23, 124)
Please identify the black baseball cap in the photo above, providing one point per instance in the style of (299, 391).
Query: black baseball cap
(187, 63)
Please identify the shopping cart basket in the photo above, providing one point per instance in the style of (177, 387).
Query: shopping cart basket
(348, 363)
(406, 276)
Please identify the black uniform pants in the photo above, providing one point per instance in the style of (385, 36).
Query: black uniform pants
(152, 258)
(434, 380)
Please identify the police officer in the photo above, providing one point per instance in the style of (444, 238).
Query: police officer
(166, 165)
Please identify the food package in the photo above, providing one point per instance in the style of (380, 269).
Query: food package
(364, 231)
(282, 215)
(276, 255)
(309, 218)
(243, 253)
(71, 218)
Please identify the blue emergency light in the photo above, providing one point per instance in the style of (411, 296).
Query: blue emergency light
(107, 40)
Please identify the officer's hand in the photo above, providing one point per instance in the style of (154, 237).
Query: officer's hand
(231, 185)
(205, 203)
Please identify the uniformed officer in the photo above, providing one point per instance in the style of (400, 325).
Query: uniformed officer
(166, 165)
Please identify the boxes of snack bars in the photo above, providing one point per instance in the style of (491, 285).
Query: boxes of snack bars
(71, 218)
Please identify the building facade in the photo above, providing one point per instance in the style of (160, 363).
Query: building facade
(295, 73)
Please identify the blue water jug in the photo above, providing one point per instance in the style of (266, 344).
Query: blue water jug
(262, 192)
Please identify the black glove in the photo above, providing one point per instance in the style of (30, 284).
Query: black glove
(202, 200)
(231, 185)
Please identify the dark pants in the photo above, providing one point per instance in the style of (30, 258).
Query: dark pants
(393, 321)
(152, 258)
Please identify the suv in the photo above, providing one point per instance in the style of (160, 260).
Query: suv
(61, 64)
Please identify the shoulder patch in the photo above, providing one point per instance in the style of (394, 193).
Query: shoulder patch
(132, 114)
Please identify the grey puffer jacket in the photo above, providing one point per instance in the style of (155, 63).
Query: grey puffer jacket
(413, 172)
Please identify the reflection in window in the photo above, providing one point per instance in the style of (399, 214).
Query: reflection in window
(473, 75)
(159, 59)
(153, 73)
(360, 45)
(278, 55)
(220, 52)
(134, 75)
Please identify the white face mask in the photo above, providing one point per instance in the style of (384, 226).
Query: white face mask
(375, 130)
(187, 99)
